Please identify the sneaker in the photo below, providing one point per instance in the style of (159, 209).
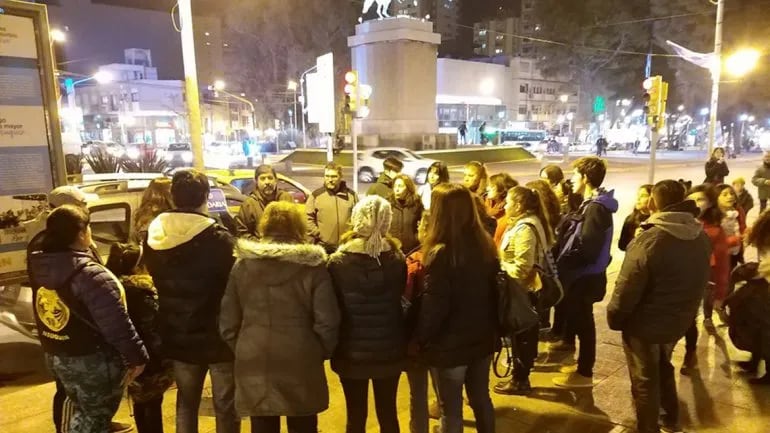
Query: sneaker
(690, 363)
(514, 387)
(120, 427)
(764, 380)
(561, 346)
(434, 411)
(574, 380)
(671, 429)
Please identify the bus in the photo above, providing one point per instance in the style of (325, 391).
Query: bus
(527, 138)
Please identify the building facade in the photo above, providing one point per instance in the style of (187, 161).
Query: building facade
(508, 35)
(444, 14)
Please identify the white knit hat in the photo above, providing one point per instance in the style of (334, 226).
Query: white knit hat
(371, 221)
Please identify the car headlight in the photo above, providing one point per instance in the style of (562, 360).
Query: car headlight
(187, 157)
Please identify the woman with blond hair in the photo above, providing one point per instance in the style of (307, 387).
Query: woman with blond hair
(279, 314)
(155, 200)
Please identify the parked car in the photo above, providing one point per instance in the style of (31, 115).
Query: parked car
(370, 163)
(113, 199)
(179, 155)
(114, 149)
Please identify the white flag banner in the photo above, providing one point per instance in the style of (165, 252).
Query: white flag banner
(704, 60)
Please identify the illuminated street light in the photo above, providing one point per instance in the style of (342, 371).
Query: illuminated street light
(680, 108)
(742, 62)
(570, 116)
(704, 111)
(103, 77)
(58, 36)
(743, 117)
(564, 98)
(292, 86)
(752, 118)
(560, 118)
(219, 85)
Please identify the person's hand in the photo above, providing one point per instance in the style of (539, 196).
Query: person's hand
(767, 181)
(133, 373)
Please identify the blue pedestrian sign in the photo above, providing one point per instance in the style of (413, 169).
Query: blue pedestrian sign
(217, 201)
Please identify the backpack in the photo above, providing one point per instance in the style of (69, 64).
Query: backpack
(515, 312)
(552, 291)
(569, 241)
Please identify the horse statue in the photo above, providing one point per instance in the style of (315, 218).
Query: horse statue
(382, 7)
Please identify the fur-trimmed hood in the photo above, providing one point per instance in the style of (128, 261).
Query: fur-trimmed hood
(276, 263)
(301, 254)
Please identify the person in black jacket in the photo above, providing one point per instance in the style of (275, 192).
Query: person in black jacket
(716, 167)
(407, 212)
(265, 192)
(656, 299)
(90, 344)
(189, 258)
(457, 320)
(633, 222)
(146, 392)
(369, 274)
(391, 167)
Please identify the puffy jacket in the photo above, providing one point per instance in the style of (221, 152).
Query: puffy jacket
(749, 308)
(328, 214)
(280, 317)
(457, 322)
(663, 276)
(247, 220)
(372, 340)
(761, 176)
(189, 258)
(716, 172)
(406, 219)
(520, 251)
(383, 187)
(98, 296)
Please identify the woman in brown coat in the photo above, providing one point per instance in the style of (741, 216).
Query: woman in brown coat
(280, 316)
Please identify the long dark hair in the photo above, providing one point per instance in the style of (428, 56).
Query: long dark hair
(124, 259)
(550, 201)
(63, 227)
(155, 200)
(411, 190)
(713, 215)
(759, 233)
(481, 172)
(532, 203)
(441, 169)
(502, 182)
(454, 224)
(720, 188)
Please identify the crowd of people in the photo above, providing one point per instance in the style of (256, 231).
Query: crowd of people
(401, 280)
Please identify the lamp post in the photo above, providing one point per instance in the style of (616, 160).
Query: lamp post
(716, 75)
(292, 87)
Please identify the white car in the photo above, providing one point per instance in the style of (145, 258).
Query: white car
(370, 163)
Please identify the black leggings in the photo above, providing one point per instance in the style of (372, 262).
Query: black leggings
(357, 401)
(148, 416)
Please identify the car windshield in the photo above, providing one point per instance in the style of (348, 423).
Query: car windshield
(412, 155)
(179, 146)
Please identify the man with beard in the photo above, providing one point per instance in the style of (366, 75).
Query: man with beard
(761, 180)
(265, 192)
(329, 209)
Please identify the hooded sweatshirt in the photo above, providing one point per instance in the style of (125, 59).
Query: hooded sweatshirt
(86, 316)
(663, 276)
(189, 258)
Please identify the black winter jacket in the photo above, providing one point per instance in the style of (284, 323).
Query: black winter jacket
(661, 282)
(383, 187)
(247, 220)
(189, 258)
(372, 340)
(457, 321)
(749, 309)
(716, 172)
(404, 225)
(630, 225)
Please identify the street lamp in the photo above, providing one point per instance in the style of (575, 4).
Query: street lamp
(564, 98)
(292, 87)
(704, 111)
(680, 108)
(219, 85)
(58, 36)
(742, 62)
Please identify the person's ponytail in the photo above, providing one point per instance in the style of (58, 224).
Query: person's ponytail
(542, 214)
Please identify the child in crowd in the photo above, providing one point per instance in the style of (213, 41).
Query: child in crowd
(733, 221)
(745, 200)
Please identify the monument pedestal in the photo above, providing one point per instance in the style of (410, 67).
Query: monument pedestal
(397, 57)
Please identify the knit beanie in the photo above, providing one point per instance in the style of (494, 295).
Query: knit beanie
(371, 221)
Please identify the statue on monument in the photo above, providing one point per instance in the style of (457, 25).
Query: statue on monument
(382, 7)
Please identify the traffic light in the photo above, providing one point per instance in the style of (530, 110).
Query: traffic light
(351, 91)
(655, 97)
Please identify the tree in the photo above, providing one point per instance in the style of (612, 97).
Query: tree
(276, 41)
(585, 51)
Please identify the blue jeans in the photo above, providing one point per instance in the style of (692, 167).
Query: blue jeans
(94, 384)
(189, 382)
(417, 374)
(475, 378)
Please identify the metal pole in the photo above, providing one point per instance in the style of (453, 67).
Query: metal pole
(354, 133)
(304, 132)
(653, 148)
(716, 75)
(191, 83)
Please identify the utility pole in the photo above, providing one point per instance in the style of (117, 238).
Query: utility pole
(191, 83)
(716, 75)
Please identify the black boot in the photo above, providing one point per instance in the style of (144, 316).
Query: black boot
(690, 363)
(514, 387)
